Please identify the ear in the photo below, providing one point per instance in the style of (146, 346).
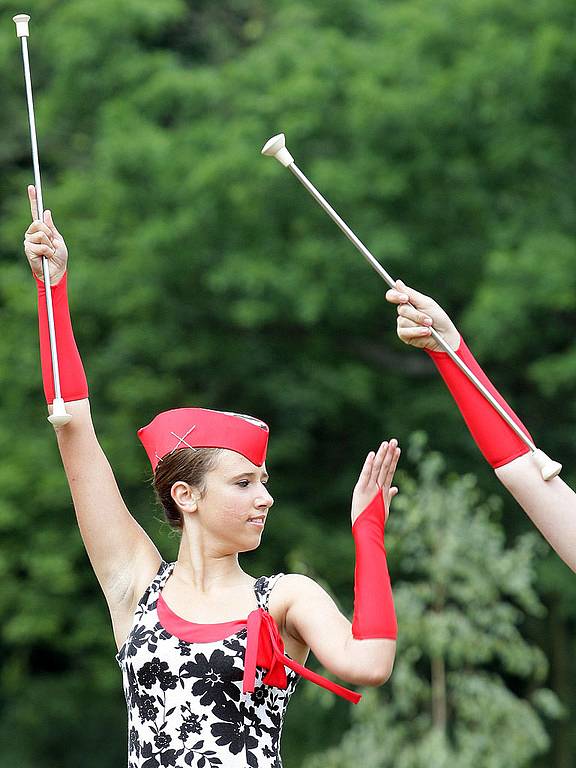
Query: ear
(185, 496)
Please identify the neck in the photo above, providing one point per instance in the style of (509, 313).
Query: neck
(203, 567)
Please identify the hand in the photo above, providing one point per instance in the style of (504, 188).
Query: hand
(42, 239)
(376, 474)
(417, 313)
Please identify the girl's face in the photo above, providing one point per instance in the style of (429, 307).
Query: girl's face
(235, 503)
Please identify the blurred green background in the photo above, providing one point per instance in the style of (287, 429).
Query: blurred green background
(200, 273)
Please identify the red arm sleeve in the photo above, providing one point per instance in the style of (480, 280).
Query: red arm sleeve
(73, 382)
(494, 437)
(374, 615)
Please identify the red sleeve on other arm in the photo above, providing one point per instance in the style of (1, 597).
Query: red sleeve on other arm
(73, 382)
(493, 436)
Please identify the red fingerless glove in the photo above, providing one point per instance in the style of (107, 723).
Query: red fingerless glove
(495, 438)
(73, 382)
(374, 615)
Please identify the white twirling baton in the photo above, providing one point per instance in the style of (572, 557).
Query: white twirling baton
(59, 415)
(276, 147)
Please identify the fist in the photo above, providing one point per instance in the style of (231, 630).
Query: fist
(417, 315)
(42, 240)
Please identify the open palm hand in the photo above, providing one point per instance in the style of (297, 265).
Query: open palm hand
(376, 475)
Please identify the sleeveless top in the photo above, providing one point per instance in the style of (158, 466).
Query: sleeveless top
(208, 704)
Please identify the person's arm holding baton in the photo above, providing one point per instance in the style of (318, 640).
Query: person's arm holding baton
(123, 557)
(550, 505)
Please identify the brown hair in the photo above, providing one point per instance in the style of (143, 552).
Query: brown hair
(188, 465)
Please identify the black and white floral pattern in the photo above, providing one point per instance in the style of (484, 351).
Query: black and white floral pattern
(185, 701)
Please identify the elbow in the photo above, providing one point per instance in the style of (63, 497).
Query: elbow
(381, 677)
(377, 676)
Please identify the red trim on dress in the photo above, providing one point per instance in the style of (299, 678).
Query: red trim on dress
(192, 632)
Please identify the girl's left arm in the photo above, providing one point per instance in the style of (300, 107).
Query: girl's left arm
(361, 652)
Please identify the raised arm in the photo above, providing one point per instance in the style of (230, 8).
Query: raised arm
(120, 551)
(551, 505)
(361, 652)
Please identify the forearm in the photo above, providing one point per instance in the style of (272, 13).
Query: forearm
(73, 382)
(372, 641)
(550, 505)
(497, 441)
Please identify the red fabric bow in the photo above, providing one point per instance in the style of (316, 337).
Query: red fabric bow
(265, 648)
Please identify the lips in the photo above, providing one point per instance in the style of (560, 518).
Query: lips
(257, 520)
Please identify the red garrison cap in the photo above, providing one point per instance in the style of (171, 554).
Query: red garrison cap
(203, 428)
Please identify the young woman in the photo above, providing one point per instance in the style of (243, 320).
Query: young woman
(551, 505)
(210, 655)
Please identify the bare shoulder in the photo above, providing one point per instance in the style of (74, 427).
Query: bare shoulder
(293, 588)
(295, 584)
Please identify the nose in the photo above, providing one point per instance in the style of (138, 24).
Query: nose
(264, 499)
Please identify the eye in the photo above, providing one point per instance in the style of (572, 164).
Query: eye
(243, 483)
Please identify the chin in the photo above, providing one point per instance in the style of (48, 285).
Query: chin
(252, 547)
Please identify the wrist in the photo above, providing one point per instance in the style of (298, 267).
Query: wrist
(372, 516)
(54, 279)
(454, 340)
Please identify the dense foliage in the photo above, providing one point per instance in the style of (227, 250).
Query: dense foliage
(203, 274)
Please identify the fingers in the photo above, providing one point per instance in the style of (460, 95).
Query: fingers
(39, 236)
(379, 467)
(403, 294)
(35, 251)
(379, 460)
(50, 222)
(366, 471)
(38, 241)
(415, 315)
(385, 462)
(408, 332)
(33, 201)
(389, 464)
(392, 493)
(414, 297)
(396, 296)
(39, 226)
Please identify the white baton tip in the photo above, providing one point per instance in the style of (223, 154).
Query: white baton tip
(548, 467)
(59, 415)
(276, 147)
(21, 20)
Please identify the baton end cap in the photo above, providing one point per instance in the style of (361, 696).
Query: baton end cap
(276, 147)
(548, 468)
(21, 20)
(59, 416)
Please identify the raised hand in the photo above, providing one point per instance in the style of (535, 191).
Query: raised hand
(376, 475)
(42, 239)
(417, 313)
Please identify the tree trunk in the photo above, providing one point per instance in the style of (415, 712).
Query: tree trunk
(439, 703)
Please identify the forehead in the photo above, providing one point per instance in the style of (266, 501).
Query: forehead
(234, 463)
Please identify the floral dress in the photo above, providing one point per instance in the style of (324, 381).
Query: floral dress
(208, 704)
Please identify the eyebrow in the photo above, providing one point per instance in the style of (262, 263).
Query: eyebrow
(265, 476)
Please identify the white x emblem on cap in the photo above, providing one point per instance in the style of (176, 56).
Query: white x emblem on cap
(182, 440)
